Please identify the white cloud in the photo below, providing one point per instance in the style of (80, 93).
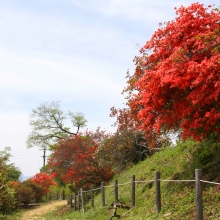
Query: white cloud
(50, 75)
(139, 10)
(148, 12)
(58, 35)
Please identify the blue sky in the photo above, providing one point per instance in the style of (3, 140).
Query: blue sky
(73, 51)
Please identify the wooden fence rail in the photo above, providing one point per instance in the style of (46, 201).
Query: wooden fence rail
(198, 192)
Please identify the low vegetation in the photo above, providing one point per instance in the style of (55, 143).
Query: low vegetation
(178, 199)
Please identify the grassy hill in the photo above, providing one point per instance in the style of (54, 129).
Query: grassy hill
(178, 199)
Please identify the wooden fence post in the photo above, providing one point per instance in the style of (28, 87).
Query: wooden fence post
(157, 191)
(92, 196)
(133, 190)
(82, 198)
(198, 185)
(116, 190)
(74, 207)
(71, 201)
(78, 200)
(68, 199)
(103, 193)
(19, 202)
(63, 194)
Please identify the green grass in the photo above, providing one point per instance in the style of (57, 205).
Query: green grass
(15, 215)
(177, 199)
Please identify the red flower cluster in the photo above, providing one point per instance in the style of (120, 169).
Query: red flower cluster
(74, 160)
(176, 84)
(45, 180)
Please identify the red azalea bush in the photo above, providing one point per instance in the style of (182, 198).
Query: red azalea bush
(176, 85)
(74, 160)
(44, 180)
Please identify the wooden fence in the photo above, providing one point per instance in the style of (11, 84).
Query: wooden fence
(198, 193)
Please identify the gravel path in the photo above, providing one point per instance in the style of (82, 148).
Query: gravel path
(37, 212)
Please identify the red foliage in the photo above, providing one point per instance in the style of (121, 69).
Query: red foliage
(45, 180)
(74, 160)
(14, 183)
(177, 79)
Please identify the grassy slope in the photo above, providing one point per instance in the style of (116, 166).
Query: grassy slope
(178, 199)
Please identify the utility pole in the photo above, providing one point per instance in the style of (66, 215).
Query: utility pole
(44, 156)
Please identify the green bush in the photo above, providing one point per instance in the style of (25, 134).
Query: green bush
(28, 191)
(7, 199)
(38, 190)
(24, 194)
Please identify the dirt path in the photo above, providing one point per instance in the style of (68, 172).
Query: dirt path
(37, 212)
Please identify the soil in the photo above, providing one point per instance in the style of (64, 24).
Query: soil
(37, 213)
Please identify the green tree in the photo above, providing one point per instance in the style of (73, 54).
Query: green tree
(8, 172)
(14, 173)
(47, 123)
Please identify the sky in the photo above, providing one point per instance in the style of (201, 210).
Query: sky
(73, 51)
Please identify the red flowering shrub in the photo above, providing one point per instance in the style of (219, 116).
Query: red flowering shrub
(45, 181)
(176, 85)
(74, 160)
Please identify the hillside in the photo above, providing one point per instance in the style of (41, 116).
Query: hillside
(177, 198)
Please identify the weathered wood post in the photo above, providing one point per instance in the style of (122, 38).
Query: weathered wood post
(82, 199)
(71, 201)
(74, 207)
(198, 185)
(68, 199)
(63, 194)
(157, 191)
(116, 190)
(78, 200)
(133, 190)
(19, 202)
(92, 196)
(103, 193)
